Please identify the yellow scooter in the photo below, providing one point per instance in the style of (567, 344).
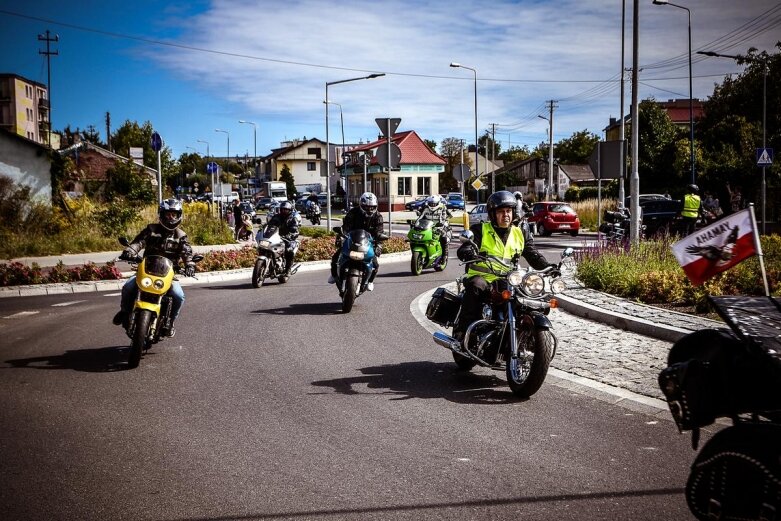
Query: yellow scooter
(154, 276)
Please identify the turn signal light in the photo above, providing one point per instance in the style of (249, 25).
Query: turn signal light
(506, 295)
(554, 303)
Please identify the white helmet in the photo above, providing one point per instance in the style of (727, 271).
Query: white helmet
(368, 203)
(433, 200)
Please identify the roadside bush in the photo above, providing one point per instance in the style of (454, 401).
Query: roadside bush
(588, 211)
(16, 273)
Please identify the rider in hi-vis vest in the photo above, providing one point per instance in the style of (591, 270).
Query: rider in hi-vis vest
(500, 239)
(691, 209)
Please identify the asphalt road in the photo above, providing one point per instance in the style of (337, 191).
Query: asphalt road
(271, 404)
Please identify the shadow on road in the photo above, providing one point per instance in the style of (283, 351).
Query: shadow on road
(307, 308)
(425, 380)
(104, 359)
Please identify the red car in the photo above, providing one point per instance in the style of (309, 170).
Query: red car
(555, 217)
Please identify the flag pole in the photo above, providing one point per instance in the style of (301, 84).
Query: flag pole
(758, 246)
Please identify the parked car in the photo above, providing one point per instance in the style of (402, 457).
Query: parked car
(322, 199)
(263, 203)
(659, 215)
(554, 217)
(455, 201)
(301, 203)
(478, 214)
(414, 206)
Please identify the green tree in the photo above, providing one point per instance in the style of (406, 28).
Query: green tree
(515, 153)
(92, 135)
(131, 134)
(451, 151)
(658, 137)
(286, 176)
(128, 180)
(576, 149)
(431, 144)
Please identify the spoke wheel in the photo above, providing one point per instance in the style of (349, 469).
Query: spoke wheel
(526, 376)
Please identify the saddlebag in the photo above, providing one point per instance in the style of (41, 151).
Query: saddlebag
(717, 373)
(737, 474)
(443, 307)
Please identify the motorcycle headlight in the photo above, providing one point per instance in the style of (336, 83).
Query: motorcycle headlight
(264, 243)
(533, 284)
(146, 282)
(159, 284)
(558, 285)
(357, 255)
(515, 278)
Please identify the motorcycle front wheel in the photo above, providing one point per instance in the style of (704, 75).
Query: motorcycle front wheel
(142, 321)
(258, 273)
(350, 292)
(525, 377)
(416, 264)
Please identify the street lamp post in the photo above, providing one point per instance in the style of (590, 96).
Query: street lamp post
(477, 170)
(255, 136)
(328, 144)
(691, 106)
(764, 113)
(228, 159)
(341, 120)
(207, 161)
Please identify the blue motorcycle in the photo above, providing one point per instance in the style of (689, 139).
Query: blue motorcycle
(355, 265)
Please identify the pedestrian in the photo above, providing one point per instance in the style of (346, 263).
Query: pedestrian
(735, 198)
(237, 213)
(246, 233)
(691, 209)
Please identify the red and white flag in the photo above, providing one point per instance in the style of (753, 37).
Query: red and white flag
(717, 247)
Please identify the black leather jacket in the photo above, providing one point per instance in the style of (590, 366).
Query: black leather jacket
(355, 219)
(158, 240)
(288, 226)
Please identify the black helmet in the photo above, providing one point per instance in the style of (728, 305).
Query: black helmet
(501, 199)
(693, 188)
(285, 209)
(170, 213)
(368, 203)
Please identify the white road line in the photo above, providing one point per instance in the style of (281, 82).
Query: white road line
(63, 304)
(112, 294)
(22, 314)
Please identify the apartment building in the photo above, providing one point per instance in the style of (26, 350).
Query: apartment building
(24, 107)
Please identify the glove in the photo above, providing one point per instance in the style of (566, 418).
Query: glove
(378, 249)
(189, 270)
(554, 270)
(127, 254)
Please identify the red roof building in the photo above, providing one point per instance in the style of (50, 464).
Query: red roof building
(417, 173)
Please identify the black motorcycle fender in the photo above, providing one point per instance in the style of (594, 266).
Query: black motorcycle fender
(541, 321)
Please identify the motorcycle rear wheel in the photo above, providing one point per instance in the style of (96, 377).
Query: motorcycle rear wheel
(258, 273)
(526, 377)
(442, 262)
(416, 263)
(142, 321)
(350, 292)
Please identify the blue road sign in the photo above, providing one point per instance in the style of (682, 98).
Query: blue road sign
(157, 142)
(764, 156)
(211, 167)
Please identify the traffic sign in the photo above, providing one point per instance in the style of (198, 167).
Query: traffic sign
(211, 167)
(383, 124)
(395, 155)
(477, 184)
(157, 142)
(764, 156)
(461, 173)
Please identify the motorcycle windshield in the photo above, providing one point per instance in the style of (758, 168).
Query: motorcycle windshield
(424, 224)
(359, 239)
(158, 266)
(269, 232)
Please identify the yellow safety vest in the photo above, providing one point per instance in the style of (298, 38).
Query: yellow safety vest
(691, 206)
(493, 246)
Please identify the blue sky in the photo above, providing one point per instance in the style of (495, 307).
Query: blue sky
(192, 67)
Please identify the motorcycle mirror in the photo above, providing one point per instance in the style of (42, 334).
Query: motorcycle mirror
(466, 236)
(337, 230)
(124, 242)
(568, 252)
(410, 221)
(197, 258)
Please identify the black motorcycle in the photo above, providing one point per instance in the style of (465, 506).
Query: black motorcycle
(615, 226)
(514, 334)
(718, 373)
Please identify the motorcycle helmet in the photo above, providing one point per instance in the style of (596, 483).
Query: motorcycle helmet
(500, 199)
(368, 203)
(693, 189)
(170, 213)
(433, 201)
(285, 209)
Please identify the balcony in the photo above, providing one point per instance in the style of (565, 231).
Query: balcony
(43, 104)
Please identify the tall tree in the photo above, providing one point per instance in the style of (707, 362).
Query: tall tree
(131, 134)
(287, 176)
(431, 144)
(576, 149)
(451, 150)
(658, 137)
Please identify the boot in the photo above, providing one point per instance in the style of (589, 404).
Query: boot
(168, 329)
(121, 319)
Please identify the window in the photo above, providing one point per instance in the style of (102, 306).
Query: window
(313, 152)
(405, 186)
(311, 166)
(424, 186)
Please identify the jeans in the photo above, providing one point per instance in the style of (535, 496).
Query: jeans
(130, 291)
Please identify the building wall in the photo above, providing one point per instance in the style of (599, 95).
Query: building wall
(26, 165)
(24, 108)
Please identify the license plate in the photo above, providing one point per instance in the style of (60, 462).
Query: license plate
(564, 226)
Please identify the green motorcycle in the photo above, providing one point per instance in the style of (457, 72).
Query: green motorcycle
(424, 241)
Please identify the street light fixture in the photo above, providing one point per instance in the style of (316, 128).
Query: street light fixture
(764, 112)
(341, 119)
(477, 171)
(255, 134)
(691, 106)
(228, 158)
(328, 144)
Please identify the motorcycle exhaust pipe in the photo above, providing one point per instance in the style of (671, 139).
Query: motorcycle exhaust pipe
(294, 269)
(447, 341)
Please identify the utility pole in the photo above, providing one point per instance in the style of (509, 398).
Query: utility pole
(551, 106)
(493, 156)
(48, 53)
(108, 131)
